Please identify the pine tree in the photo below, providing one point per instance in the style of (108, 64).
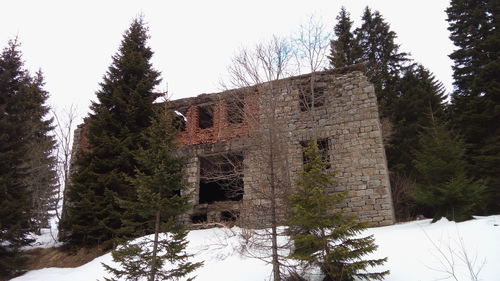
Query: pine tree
(124, 110)
(382, 55)
(442, 185)
(475, 102)
(323, 236)
(344, 50)
(162, 199)
(27, 176)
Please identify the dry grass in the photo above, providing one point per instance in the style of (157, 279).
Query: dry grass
(55, 257)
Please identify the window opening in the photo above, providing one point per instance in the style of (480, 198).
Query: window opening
(323, 147)
(229, 216)
(199, 218)
(235, 111)
(221, 178)
(308, 100)
(205, 116)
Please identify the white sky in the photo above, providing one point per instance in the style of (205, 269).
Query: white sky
(72, 42)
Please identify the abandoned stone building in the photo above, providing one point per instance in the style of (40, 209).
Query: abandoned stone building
(240, 143)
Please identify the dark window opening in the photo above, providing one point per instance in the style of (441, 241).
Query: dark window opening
(309, 100)
(221, 178)
(235, 112)
(205, 117)
(229, 216)
(220, 190)
(199, 218)
(323, 147)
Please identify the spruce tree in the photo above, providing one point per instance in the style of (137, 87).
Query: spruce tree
(124, 109)
(27, 176)
(418, 93)
(14, 202)
(382, 55)
(475, 102)
(344, 49)
(442, 184)
(162, 199)
(323, 236)
(41, 162)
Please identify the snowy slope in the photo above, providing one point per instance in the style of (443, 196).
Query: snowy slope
(417, 251)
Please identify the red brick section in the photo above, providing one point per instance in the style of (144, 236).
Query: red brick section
(83, 142)
(222, 129)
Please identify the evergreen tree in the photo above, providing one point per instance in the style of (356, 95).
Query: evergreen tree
(373, 43)
(14, 202)
(344, 50)
(442, 185)
(124, 110)
(40, 162)
(161, 200)
(324, 237)
(475, 102)
(27, 176)
(381, 53)
(418, 92)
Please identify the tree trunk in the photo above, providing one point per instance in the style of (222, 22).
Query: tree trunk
(152, 275)
(274, 221)
(274, 240)
(274, 232)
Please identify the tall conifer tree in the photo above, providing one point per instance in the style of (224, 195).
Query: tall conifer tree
(41, 162)
(27, 175)
(344, 49)
(124, 109)
(384, 60)
(14, 203)
(475, 102)
(162, 199)
(419, 93)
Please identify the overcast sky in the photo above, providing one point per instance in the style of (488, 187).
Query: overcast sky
(72, 42)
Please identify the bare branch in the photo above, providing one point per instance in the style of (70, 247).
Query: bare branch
(312, 42)
(452, 255)
(65, 125)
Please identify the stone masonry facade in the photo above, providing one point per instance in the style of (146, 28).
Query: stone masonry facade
(336, 107)
(346, 121)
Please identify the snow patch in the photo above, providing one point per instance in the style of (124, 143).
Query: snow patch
(413, 251)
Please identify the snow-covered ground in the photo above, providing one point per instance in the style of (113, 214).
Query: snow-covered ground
(48, 237)
(417, 251)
